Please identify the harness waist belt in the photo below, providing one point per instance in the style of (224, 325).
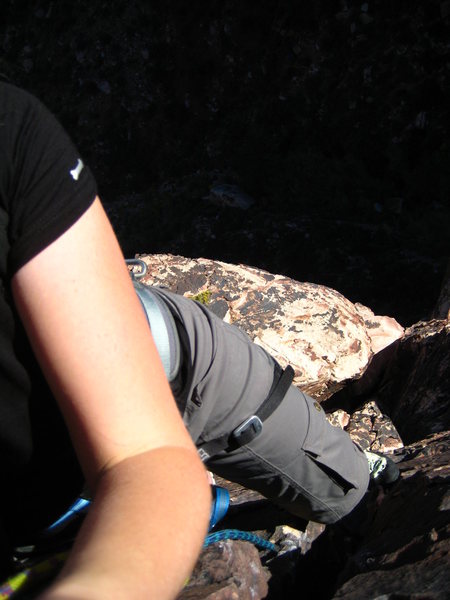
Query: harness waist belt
(164, 329)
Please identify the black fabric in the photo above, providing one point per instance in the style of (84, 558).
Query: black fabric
(277, 394)
(44, 189)
(37, 190)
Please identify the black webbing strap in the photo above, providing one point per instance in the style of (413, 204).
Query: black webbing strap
(251, 427)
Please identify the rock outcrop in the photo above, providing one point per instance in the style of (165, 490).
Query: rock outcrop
(397, 544)
(228, 570)
(442, 308)
(389, 389)
(325, 337)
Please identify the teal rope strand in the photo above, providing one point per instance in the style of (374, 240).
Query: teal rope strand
(236, 534)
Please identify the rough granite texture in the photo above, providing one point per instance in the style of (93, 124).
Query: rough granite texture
(227, 570)
(325, 337)
(395, 544)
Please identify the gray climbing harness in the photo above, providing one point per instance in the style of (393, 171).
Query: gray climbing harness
(160, 320)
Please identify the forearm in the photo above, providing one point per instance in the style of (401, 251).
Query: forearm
(144, 530)
(92, 340)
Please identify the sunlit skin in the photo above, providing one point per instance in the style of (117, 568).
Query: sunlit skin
(151, 505)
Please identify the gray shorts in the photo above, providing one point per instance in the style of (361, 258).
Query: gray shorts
(299, 461)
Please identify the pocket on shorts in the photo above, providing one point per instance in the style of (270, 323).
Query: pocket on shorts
(330, 448)
(198, 407)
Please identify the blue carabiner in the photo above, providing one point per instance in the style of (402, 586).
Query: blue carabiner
(220, 504)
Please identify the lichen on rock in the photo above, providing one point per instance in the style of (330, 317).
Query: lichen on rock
(327, 339)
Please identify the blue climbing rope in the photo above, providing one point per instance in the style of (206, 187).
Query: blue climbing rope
(220, 504)
(236, 534)
(49, 566)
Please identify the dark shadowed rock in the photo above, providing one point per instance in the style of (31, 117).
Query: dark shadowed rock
(322, 112)
(230, 195)
(442, 308)
(396, 543)
(415, 391)
(227, 570)
(406, 546)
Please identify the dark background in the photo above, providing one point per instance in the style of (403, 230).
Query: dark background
(332, 116)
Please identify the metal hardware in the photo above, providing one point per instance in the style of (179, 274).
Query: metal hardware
(247, 430)
(137, 262)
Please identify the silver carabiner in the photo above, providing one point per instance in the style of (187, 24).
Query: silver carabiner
(137, 262)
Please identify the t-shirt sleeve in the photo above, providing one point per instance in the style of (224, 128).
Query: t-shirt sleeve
(49, 186)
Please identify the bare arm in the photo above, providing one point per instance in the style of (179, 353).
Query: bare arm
(149, 514)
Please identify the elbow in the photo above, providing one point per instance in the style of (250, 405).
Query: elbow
(202, 493)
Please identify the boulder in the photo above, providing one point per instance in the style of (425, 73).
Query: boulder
(327, 339)
(405, 548)
(396, 543)
(415, 387)
(373, 430)
(227, 570)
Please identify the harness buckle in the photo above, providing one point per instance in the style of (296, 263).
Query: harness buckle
(203, 454)
(246, 431)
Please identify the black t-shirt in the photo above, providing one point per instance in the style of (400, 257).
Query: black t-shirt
(44, 189)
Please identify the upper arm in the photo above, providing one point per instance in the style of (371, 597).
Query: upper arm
(94, 345)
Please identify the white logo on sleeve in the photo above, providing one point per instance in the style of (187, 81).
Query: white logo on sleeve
(76, 172)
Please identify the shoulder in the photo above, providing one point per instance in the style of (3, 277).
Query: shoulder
(20, 115)
(44, 186)
(24, 117)
(14, 99)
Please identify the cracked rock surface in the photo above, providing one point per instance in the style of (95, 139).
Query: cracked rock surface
(325, 337)
(390, 393)
(395, 544)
